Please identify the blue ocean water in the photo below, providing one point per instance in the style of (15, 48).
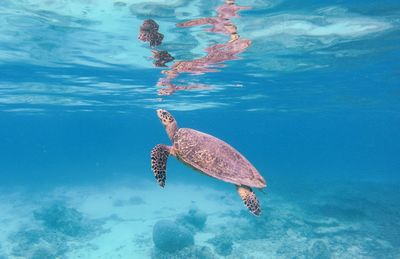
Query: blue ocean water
(308, 92)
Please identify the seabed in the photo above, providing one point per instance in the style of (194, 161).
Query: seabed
(117, 220)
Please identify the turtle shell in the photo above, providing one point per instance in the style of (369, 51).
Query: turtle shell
(215, 158)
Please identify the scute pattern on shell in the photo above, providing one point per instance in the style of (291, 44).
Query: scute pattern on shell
(215, 158)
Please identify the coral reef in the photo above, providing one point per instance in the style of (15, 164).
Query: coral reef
(64, 220)
(30, 243)
(175, 240)
(169, 236)
(319, 250)
(194, 220)
(43, 253)
(222, 243)
(58, 229)
(191, 252)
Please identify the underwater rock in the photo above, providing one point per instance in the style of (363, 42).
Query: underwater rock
(64, 220)
(59, 225)
(192, 252)
(194, 220)
(319, 251)
(222, 243)
(168, 236)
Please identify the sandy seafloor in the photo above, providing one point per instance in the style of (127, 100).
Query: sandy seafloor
(115, 219)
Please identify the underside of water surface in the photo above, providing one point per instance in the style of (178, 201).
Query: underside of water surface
(307, 92)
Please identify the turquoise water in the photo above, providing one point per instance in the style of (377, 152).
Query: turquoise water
(307, 92)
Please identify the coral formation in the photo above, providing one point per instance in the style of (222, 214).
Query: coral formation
(59, 227)
(175, 240)
(194, 219)
(43, 253)
(168, 236)
(222, 243)
(191, 252)
(30, 243)
(319, 250)
(64, 220)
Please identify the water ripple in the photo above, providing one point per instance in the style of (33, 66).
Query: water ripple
(86, 54)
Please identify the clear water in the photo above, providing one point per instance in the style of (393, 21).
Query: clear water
(312, 102)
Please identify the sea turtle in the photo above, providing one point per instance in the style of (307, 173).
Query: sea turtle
(208, 155)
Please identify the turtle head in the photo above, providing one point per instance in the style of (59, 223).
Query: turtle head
(165, 117)
(168, 121)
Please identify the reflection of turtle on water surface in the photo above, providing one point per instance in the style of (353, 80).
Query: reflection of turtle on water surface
(149, 32)
(208, 155)
(161, 57)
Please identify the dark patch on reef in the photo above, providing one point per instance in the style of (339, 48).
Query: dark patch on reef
(31, 242)
(65, 220)
(194, 220)
(192, 252)
(175, 239)
(319, 250)
(222, 243)
(58, 229)
(321, 222)
(171, 237)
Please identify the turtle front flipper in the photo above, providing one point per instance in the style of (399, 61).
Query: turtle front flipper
(249, 198)
(159, 157)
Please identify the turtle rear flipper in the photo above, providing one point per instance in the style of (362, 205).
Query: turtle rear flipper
(250, 200)
(159, 157)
